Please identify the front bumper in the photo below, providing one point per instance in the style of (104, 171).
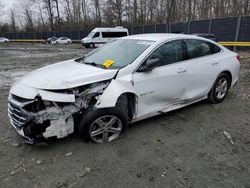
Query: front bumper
(23, 121)
(37, 125)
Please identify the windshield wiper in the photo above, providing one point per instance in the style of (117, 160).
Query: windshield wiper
(94, 64)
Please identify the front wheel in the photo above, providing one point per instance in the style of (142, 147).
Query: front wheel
(92, 45)
(103, 125)
(220, 89)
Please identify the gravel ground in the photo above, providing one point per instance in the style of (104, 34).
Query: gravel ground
(184, 148)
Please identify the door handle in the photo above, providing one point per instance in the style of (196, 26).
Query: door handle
(214, 63)
(181, 71)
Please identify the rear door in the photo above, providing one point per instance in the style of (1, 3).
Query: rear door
(202, 67)
(64, 40)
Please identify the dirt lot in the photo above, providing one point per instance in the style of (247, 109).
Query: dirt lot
(184, 148)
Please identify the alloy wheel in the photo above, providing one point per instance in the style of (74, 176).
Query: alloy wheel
(105, 129)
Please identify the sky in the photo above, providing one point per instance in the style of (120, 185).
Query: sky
(4, 17)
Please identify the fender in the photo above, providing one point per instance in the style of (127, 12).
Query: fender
(116, 88)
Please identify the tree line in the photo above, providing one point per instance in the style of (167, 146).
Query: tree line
(56, 15)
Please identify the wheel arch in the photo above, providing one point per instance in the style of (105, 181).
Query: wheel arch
(127, 102)
(119, 90)
(229, 75)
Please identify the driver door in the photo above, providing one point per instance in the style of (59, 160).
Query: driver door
(165, 85)
(96, 38)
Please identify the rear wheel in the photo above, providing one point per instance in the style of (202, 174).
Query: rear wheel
(220, 89)
(103, 125)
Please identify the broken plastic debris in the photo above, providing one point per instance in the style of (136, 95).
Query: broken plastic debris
(85, 172)
(15, 144)
(13, 173)
(229, 138)
(38, 162)
(108, 63)
(163, 174)
(68, 154)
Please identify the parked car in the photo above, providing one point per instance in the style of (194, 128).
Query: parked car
(50, 40)
(62, 40)
(3, 39)
(100, 36)
(124, 81)
(207, 36)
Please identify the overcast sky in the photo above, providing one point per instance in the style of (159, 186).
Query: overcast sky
(4, 17)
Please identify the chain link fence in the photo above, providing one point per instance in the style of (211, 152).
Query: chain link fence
(225, 29)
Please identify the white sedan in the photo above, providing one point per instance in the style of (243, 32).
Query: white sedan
(124, 81)
(3, 39)
(62, 40)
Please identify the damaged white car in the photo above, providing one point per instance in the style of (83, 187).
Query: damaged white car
(124, 81)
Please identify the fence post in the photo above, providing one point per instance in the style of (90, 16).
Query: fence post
(237, 32)
(167, 28)
(189, 22)
(155, 28)
(170, 29)
(79, 35)
(143, 29)
(210, 26)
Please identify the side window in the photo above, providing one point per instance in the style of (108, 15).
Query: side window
(113, 34)
(199, 48)
(97, 34)
(214, 48)
(106, 34)
(169, 53)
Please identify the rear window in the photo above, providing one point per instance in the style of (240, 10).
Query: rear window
(114, 34)
(199, 48)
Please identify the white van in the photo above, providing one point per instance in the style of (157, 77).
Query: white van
(100, 36)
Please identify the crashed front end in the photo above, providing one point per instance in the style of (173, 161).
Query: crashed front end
(40, 114)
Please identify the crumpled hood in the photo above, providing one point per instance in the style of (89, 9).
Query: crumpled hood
(65, 75)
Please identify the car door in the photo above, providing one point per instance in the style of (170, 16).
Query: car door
(165, 85)
(201, 67)
(60, 40)
(96, 38)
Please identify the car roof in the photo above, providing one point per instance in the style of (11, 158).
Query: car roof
(110, 29)
(203, 34)
(157, 37)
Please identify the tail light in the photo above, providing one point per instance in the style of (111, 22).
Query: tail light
(238, 57)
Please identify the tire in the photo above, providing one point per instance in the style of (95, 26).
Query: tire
(94, 120)
(220, 89)
(92, 45)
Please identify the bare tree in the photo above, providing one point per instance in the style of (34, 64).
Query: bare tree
(98, 18)
(12, 20)
(79, 14)
(58, 12)
(49, 8)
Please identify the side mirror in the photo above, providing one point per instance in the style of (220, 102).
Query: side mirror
(149, 65)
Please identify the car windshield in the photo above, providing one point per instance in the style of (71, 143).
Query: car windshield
(119, 53)
(91, 34)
